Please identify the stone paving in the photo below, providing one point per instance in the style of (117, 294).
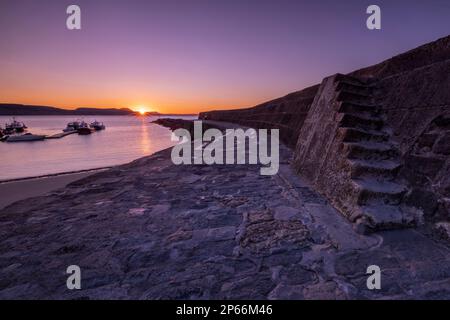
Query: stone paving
(153, 230)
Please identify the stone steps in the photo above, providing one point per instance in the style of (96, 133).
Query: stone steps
(353, 107)
(372, 191)
(386, 169)
(385, 217)
(370, 150)
(359, 135)
(353, 96)
(342, 78)
(373, 161)
(362, 121)
(356, 89)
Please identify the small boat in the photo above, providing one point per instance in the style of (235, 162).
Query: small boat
(8, 131)
(15, 126)
(3, 135)
(97, 125)
(25, 137)
(84, 129)
(72, 126)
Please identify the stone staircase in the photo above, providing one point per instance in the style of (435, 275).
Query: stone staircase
(373, 159)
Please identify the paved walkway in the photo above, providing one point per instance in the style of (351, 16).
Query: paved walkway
(153, 230)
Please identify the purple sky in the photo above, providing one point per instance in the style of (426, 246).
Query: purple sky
(188, 56)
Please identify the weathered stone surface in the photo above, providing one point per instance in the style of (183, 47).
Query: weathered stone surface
(324, 291)
(427, 140)
(443, 229)
(287, 292)
(285, 213)
(166, 244)
(442, 145)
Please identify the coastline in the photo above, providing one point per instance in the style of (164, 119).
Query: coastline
(23, 188)
(51, 175)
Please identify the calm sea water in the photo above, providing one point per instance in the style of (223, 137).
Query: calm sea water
(126, 138)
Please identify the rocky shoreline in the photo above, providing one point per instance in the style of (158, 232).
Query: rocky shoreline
(153, 230)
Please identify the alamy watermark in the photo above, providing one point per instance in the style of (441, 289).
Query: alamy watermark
(374, 280)
(73, 21)
(235, 146)
(74, 280)
(373, 22)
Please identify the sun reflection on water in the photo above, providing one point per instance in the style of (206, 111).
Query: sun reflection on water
(145, 137)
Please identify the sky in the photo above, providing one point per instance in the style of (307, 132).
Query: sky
(188, 56)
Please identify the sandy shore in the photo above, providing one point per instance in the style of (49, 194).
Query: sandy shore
(12, 191)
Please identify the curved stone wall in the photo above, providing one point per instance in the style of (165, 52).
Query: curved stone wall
(391, 126)
(287, 114)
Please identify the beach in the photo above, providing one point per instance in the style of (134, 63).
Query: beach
(15, 190)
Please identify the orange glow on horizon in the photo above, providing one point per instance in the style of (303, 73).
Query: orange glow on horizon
(143, 110)
(115, 97)
(164, 106)
(161, 102)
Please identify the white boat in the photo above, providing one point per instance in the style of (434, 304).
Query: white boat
(3, 135)
(84, 129)
(15, 126)
(97, 125)
(25, 137)
(72, 126)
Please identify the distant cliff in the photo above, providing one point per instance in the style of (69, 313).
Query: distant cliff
(20, 109)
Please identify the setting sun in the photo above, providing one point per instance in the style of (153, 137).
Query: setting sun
(142, 110)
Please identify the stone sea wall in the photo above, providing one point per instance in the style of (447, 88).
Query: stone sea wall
(415, 97)
(417, 108)
(376, 142)
(286, 113)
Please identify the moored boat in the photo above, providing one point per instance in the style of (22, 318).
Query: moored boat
(15, 126)
(84, 129)
(25, 137)
(72, 126)
(3, 135)
(97, 125)
(8, 131)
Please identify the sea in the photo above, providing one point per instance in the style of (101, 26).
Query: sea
(125, 138)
